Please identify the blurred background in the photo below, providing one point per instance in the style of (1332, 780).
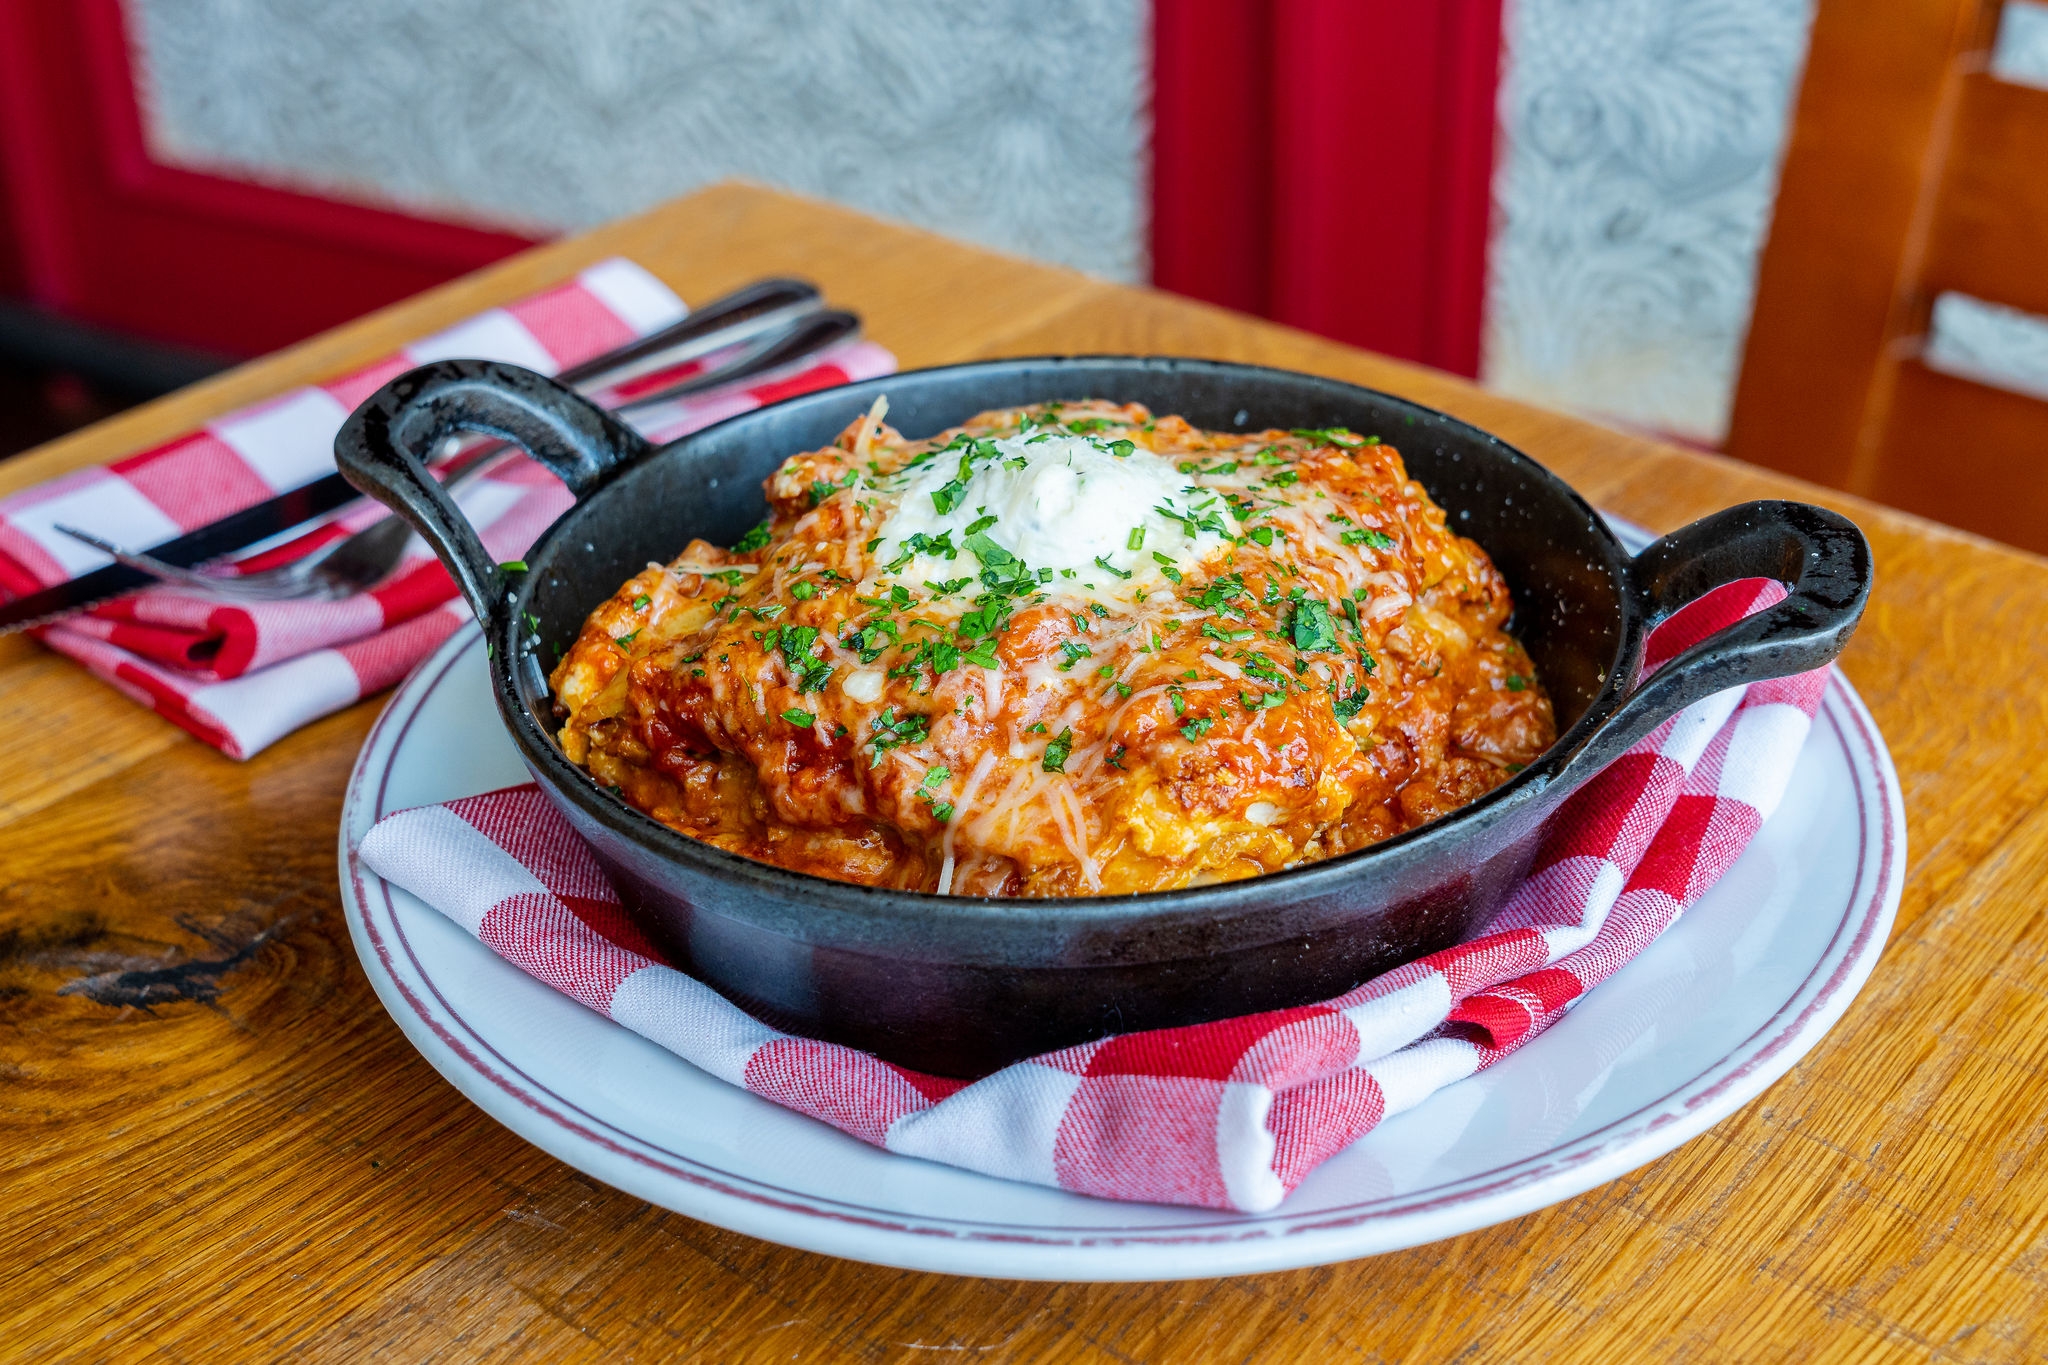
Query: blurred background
(1571, 200)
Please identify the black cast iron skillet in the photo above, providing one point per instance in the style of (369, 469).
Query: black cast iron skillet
(958, 985)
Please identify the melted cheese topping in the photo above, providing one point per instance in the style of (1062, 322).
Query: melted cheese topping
(1063, 650)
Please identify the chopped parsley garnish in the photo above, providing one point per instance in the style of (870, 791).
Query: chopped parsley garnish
(1071, 653)
(1001, 572)
(803, 591)
(1123, 689)
(988, 619)
(1517, 683)
(939, 656)
(1195, 727)
(898, 598)
(1262, 701)
(1216, 632)
(642, 602)
(1220, 592)
(795, 643)
(754, 539)
(893, 731)
(918, 543)
(1178, 701)
(800, 718)
(954, 491)
(1261, 667)
(1116, 758)
(1313, 628)
(942, 811)
(1121, 449)
(519, 565)
(1102, 563)
(1379, 540)
(1347, 708)
(1261, 535)
(873, 638)
(1197, 519)
(1136, 539)
(626, 639)
(1056, 751)
(1344, 437)
(1167, 566)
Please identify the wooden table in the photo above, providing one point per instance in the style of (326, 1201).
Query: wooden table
(266, 1167)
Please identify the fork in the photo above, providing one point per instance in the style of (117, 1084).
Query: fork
(342, 569)
(360, 561)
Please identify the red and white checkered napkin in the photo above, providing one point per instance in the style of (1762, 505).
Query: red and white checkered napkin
(1228, 1115)
(241, 677)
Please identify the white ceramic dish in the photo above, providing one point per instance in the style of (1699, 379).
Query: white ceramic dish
(1700, 1024)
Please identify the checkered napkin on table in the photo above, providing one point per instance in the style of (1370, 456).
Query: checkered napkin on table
(1228, 1115)
(243, 676)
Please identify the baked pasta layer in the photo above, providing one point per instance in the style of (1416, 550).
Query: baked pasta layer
(1059, 651)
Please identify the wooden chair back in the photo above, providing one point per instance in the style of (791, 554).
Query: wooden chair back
(1911, 171)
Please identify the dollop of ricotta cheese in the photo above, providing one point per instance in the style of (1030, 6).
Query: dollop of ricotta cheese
(1095, 513)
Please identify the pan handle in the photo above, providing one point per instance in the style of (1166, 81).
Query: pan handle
(1820, 555)
(381, 450)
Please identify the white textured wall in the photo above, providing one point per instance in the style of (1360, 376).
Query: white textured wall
(1017, 123)
(1639, 160)
(1638, 163)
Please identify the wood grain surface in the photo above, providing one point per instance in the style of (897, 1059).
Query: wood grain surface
(218, 1147)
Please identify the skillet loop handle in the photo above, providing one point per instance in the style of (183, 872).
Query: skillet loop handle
(1820, 555)
(382, 447)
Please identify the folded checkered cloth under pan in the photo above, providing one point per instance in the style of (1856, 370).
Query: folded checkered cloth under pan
(242, 676)
(1229, 1115)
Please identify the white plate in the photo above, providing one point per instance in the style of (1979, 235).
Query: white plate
(1713, 1012)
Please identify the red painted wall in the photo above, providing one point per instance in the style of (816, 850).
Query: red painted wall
(1328, 163)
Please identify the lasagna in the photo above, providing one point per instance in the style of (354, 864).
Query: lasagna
(1071, 649)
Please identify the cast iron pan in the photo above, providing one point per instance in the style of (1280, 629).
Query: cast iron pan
(958, 985)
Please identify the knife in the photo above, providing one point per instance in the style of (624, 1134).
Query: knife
(755, 312)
